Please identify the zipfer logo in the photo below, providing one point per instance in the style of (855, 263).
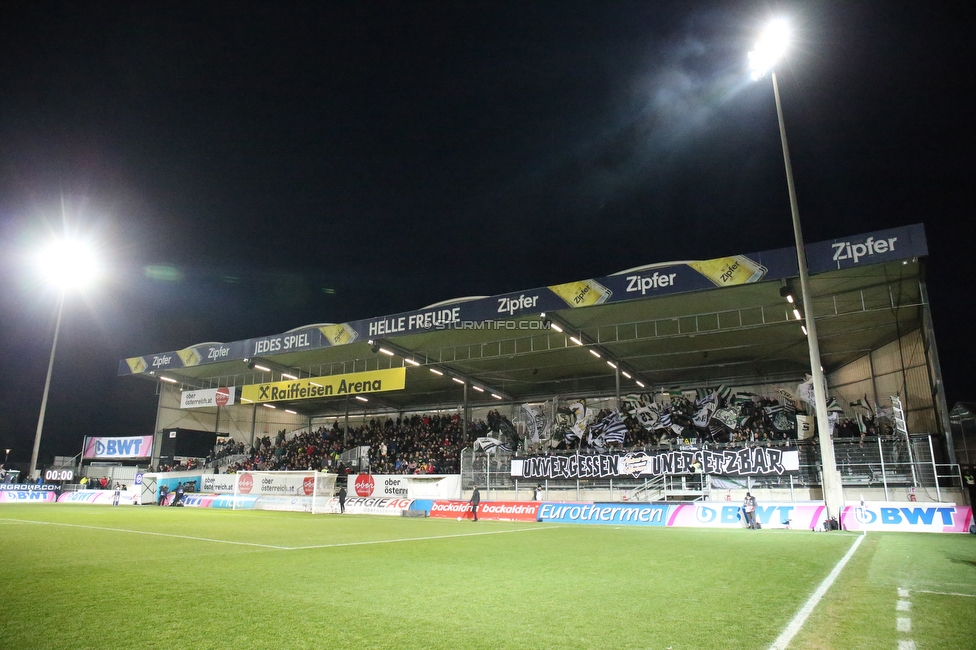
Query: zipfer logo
(512, 305)
(845, 250)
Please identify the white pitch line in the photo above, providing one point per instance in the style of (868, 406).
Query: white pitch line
(420, 539)
(148, 532)
(906, 645)
(903, 624)
(783, 640)
(903, 605)
(944, 593)
(272, 546)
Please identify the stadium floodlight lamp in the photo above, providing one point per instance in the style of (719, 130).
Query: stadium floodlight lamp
(388, 353)
(169, 380)
(290, 411)
(575, 340)
(641, 384)
(261, 368)
(796, 314)
(361, 398)
(771, 48)
(595, 354)
(68, 264)
(412, 362)
(456, 379)
(556, 327)
(626, 374)
(612, 364)
(436, 372)
(287, 376)
(478, 388)
(6, 455)
(269, 406)
(496, 396)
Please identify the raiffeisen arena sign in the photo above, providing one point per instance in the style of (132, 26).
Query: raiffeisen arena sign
(350, 384)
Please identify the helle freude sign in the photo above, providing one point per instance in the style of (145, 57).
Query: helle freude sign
(355, 383)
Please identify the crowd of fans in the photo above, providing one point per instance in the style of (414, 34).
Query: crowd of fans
(432, 444)
(427, 444)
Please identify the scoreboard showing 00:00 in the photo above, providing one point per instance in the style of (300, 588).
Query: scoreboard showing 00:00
(59, 475)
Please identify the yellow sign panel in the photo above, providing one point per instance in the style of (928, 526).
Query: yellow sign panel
(354, 383)
(582, 294)
(339, 334)
(136, 364)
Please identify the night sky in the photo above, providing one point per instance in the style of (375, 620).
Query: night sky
(250, 168)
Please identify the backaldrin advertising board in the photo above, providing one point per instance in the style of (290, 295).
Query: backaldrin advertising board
(913, 517)
(493, 510)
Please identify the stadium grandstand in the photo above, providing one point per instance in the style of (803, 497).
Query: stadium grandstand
(668, 357)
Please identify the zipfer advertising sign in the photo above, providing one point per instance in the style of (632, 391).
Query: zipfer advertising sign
(354, 383)
(875, 247)
(134, 447)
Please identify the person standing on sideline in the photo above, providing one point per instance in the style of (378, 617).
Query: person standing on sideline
(342, 500)
(117, 495)
(749, 506)
(475, 500)
(537, 493)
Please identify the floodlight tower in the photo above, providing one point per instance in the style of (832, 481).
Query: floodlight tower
(67, 265)
(769, 51)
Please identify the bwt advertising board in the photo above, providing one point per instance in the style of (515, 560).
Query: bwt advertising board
(798, 515)
(911, 517)
(134, 447)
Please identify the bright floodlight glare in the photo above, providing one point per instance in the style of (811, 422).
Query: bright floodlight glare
(770, 48)
(67, 264)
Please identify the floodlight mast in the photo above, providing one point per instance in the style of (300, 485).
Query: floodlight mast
(769, 51)
(47, 389)
(69, 265)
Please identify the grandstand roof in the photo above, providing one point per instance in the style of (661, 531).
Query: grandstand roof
(665, 325)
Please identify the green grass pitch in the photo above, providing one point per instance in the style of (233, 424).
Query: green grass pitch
(78, 576)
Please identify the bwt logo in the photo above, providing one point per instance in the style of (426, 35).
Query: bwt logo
(865, 516)
(512, 305)
(705, 515)
(161, 360)
(119, 447)
(845, 250)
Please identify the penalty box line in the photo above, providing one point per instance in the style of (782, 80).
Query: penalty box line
(420, 539)
(794, 626)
